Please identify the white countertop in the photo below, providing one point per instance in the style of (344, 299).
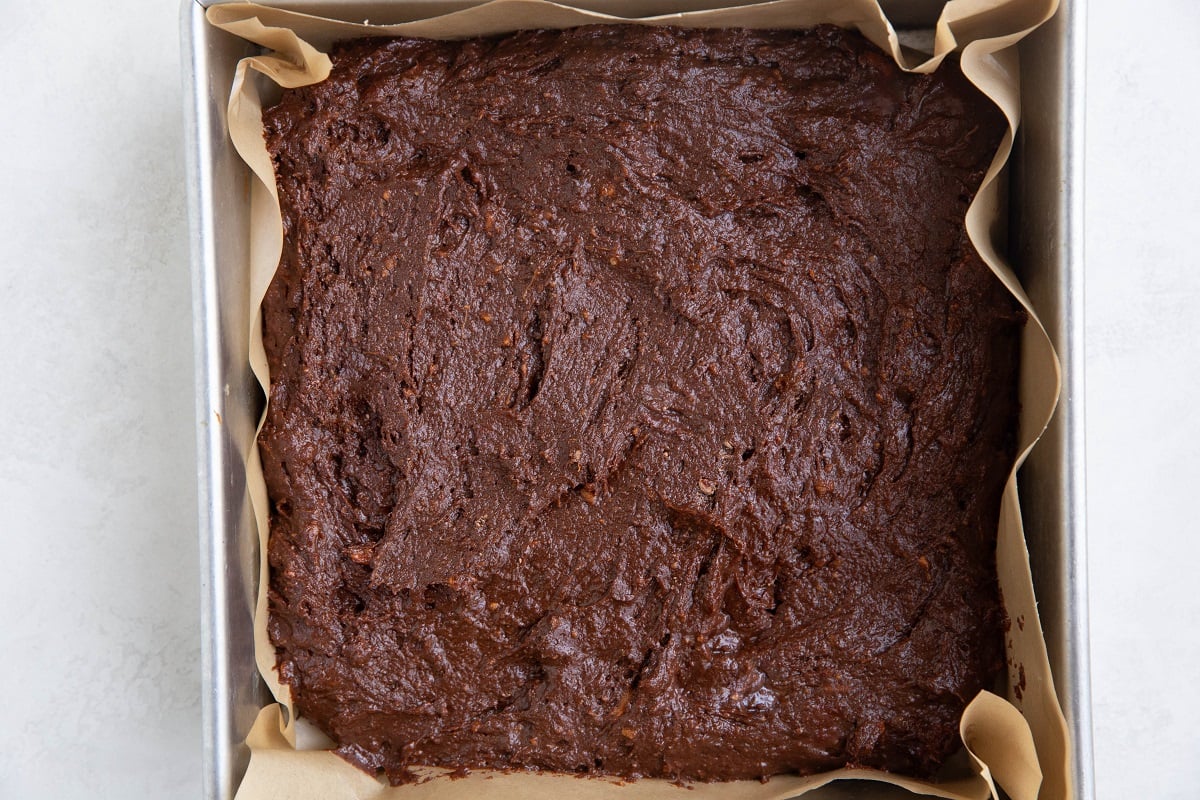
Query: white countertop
(99, 678)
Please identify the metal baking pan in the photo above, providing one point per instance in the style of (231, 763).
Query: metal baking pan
(1046, 233)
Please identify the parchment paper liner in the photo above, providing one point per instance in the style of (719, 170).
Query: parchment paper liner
(1020, 744)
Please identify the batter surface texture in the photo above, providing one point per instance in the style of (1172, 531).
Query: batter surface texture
(639, 405)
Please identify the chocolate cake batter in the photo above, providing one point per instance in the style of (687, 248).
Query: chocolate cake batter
(639, 404)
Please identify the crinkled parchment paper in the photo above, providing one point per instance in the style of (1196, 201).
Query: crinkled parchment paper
(1019, 744)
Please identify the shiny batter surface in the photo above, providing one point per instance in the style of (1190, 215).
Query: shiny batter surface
(639, 405)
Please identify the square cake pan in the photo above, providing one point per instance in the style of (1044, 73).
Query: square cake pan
(1046, 242)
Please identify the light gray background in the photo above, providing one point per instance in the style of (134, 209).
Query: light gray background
(99, 680)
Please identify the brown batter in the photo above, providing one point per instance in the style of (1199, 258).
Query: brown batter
(639, 404)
